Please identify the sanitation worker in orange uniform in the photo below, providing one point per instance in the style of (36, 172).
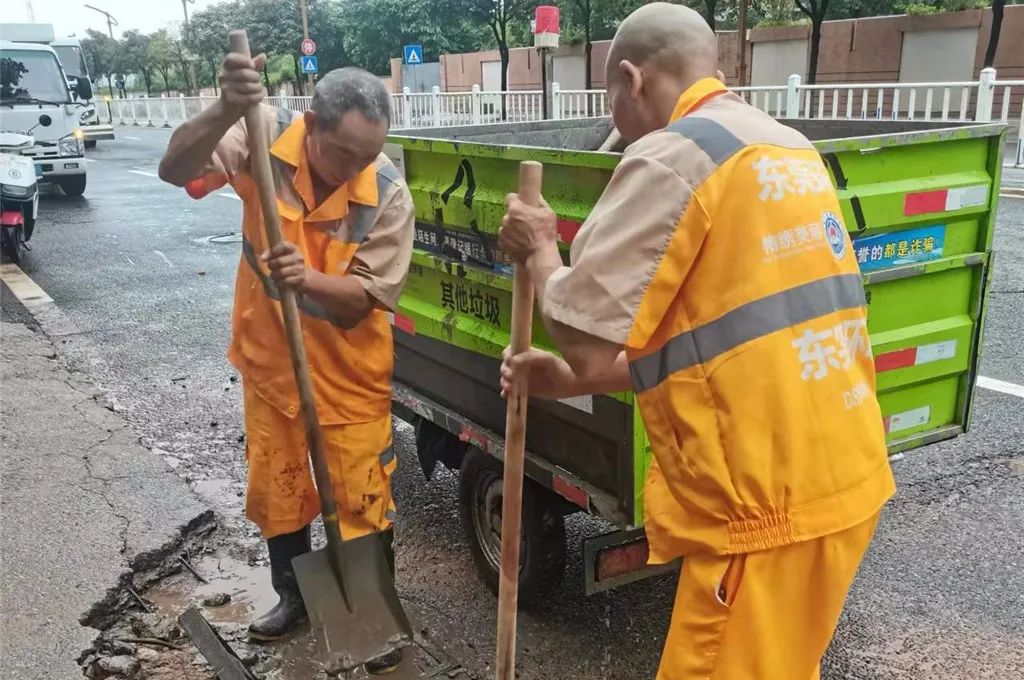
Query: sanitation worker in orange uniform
(347, 221)
(716, 280)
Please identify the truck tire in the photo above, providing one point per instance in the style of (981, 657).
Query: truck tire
(542, 552)
(72, 186)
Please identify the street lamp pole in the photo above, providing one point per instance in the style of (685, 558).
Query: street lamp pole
(190, 72)
(305, 35)
(111, 22)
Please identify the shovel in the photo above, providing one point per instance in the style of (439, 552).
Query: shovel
(530, 173)
(347, 587)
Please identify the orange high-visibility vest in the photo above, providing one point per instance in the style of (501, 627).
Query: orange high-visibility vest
(718, 259)
(351, 368)
(749, 351)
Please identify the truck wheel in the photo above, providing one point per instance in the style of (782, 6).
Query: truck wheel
(72, 186)
(90, 144)
(542, 551)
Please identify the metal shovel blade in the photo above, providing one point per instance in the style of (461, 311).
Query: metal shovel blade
(371, 623)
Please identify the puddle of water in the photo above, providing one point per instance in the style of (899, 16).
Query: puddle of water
(251, 595)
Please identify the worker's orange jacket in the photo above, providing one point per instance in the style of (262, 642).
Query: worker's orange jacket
(718, 258)
(364, 229)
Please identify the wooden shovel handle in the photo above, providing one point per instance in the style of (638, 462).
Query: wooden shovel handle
(530, 174)
(259, 160)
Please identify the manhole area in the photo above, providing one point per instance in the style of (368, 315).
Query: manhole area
(234, 593)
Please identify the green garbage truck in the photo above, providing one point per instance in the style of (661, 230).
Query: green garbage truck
(919, 200)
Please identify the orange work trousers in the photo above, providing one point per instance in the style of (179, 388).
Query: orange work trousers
(762, 616)
(281, 496)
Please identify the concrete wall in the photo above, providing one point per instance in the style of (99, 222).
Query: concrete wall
(774, 62)
(944, 54)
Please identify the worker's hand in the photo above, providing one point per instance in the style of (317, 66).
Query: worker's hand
(547, 376)
(240, 82)
(526, 229)
(286, 265)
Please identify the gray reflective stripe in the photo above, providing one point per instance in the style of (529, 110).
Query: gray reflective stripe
(284, 120)
(363, 216)
(362, 222)
(745, 323)
(307, 306)
(387, 455)
(713, 139)
(388, 172)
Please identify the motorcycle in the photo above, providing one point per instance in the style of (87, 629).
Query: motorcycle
(19, 194)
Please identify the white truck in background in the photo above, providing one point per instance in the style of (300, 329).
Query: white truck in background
(35, 99)
(72, 59)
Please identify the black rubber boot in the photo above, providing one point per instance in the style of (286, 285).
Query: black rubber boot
(290, 610)
(389, 662)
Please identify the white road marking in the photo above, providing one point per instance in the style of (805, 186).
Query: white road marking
(164, 257)
(25, 289)
(1001, 386)
(134, 139)
(144, 173)
(1017, 196)
(130, 260)
(92, 160)
(227, 194)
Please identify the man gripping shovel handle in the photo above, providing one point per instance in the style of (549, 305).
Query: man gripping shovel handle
(347, 587)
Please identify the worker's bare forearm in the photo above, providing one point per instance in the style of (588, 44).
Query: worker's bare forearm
(615, 378)
(193, 144)
(590, 357)
(344, 297)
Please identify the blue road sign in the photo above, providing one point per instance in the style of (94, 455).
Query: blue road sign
(308, 64)
(413, 54)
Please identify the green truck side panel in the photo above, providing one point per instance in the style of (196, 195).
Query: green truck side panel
(937, 303)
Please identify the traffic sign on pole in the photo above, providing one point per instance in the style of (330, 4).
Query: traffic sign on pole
(413, 54)
(308, 47)
(308, 64)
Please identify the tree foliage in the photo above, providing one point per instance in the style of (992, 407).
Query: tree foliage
(369, 33)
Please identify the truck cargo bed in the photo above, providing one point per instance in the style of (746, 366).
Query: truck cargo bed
(918, 201)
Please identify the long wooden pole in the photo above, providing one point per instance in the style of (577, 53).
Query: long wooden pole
(530, 175)
(259, 159)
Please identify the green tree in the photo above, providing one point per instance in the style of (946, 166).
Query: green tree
(133, 57)
(208, 35)
(590, 20)
(503, 17)
(162, 55)
(375, 30)
(275, 27)
(815, 10)
(993, 35)
(101, 52)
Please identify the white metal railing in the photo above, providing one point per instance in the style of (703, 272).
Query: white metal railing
(568, 104)
(984, 100)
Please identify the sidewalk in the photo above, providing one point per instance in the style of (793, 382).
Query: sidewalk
(82, 504)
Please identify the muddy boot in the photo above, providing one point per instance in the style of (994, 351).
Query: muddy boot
(389, 662)
(290, 610)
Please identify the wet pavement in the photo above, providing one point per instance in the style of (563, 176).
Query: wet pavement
(147, 276)
(83, 506)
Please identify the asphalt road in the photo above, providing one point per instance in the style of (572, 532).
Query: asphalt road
(137, 265)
